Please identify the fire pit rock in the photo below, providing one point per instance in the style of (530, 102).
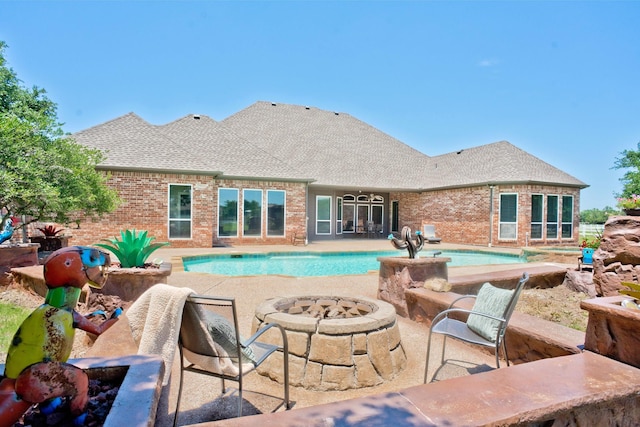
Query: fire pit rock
(335, 343)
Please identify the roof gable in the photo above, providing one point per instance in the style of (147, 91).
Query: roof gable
(334, 148)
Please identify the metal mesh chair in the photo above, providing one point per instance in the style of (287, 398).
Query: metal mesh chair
(210, 344)
(486, 324)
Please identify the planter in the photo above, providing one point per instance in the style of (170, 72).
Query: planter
(137, 400)
(612, 330)
(22, 255)
(632, 212)
(130, 283)
(397, 274)
(50, 243)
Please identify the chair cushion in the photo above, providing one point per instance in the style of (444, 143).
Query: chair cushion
(223, 333)
(492, 301)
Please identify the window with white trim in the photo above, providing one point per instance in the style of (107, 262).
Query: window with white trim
(228, 212)
(323, 215)
(552, 217)
(338, 215)
(537, 216)
(180, 203)
(275, 212)
(567, 217)
(252, 213)
(508, 225)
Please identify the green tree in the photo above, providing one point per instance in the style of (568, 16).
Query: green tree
(629, 159)
(597, 216)
(44, 174)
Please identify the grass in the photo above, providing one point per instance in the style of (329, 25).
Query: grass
(12, 316)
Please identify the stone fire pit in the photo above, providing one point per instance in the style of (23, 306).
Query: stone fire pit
(335, 343)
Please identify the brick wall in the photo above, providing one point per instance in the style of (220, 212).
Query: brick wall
(145, 207)
(463, 215)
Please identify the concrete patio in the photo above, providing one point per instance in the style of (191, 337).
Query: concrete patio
(516, 392)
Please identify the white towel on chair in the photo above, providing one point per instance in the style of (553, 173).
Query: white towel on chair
(155, 319)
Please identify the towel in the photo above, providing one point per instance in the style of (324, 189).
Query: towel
(155, 319)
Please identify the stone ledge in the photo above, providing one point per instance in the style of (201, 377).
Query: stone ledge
(578, 389)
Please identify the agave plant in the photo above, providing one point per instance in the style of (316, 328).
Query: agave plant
(133, 249)
(50, 230)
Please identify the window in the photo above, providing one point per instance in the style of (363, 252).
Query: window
(323, 214)
(179, 211)
(394, 215)
(227, 212)
(567, 217)
(275, 212)
(377, 216)
(338, 215)
(537, 215)
(508, 216)
(252, 213)
(552, 217)
(348, 217)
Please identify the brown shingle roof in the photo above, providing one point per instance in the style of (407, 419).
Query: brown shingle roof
(291, 142)
(497, 163)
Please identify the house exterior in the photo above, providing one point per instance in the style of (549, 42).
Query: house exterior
(272, 170)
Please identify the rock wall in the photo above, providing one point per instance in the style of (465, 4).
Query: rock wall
(617, 259)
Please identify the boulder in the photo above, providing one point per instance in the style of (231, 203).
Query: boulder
(580, 281)
(617, 259)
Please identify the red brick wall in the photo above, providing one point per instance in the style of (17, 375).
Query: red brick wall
(295, 212)
(145, 207)
(463, 215)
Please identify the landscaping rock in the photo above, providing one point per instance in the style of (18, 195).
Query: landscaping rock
(580, 281)
(617, 259)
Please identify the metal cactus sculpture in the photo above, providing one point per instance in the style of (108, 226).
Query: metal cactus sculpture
(36, 371)
(405, 241)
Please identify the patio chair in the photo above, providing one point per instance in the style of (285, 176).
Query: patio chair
(586, 259)
(486, 322)
(210, 344)
(430, 234)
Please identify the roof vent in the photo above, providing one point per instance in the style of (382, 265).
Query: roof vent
(306, 107)
(458, 152)
(336, 113)
(273, 103)
(196, 117)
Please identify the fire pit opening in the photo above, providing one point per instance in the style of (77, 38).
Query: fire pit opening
(335, 343)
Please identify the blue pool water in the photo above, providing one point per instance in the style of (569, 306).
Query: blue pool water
(304, 264)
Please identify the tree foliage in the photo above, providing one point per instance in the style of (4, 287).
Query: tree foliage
(597, 216)
(44, 174)
(629, 159)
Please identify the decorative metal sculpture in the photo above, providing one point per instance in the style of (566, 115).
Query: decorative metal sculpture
(35, 370)
(405, 241)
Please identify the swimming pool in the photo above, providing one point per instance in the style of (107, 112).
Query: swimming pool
(305, 264)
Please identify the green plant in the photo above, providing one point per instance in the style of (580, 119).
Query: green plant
(133, 249)
(632, 202)
(50, 230)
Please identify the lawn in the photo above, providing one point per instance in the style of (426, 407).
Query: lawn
(12, 316)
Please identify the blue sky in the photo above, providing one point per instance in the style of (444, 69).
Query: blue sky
(560, 80)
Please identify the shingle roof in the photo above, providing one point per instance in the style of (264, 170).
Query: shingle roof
(334, 148)
(298, 143)
(496, 163)
(194, 143)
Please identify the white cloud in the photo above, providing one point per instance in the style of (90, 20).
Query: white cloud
(488, 62)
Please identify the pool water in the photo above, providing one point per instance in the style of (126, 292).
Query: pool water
(305, 264)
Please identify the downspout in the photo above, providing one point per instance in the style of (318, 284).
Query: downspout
(491, 187)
